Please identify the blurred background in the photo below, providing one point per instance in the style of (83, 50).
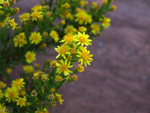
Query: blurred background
(118, 81)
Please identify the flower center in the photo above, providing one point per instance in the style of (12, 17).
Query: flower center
(63, 67)
(11, 94)
(62, 50)
(82, 39)
(85, 56)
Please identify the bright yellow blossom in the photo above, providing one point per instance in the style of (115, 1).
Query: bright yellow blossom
(95, 28)
(82, 29)
(35, 15)
(80, 68)
(84, 57)
(94, 5)
(83, 17)
(35, 38)
(24, 17)
(70, 29)
(83, 39)
(64, 67)
(54, 35)
(114, 7)
(21, 101)
(19, 83)
(59, 98)
(37, 7)
(69, 38)
(106, 22)
(28, 68)
(11, 94)
(2, 84)
(12, 23)
(30, 56)
(82, 3)
(62, 50)
(20, 40)
(105, 2)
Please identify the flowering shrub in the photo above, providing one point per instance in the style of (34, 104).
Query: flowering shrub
(70, 26)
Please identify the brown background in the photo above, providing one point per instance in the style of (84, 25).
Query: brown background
(118, 81)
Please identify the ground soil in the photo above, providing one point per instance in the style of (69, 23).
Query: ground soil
(118, 81)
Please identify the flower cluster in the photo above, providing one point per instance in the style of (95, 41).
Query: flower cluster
(69, 26)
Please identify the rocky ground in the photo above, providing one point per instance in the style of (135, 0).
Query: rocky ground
(118, 81)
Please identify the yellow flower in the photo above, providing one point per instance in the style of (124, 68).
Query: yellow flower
(35, 38)
(80, 68)
(64, 14)
(83, 39)
(21, 101)
(82, 3)
(70, 29)
(74, 77)
(58, 79)
(41, 111)
(37, 7)
(69, 38)
(2, 84)
(69, 16)
(6, 3)
(54, 63)
(82, 29)
(63, 67)
(88, 19)
(52, 96)
(1, 94)
(84, 57)
(59, 98)
(114, 7)
(30, 56)
(3, 108)
(35, 15)
(83, 17)
(44, 77)
(18, 83)
(11, 94)
(48, 14)
(20, 40)
(24, 17)
(106, 22)
(105, 2)
(16, 9)
(22, 93)
(1, 1)
(94, 5)
(8, 70)
(53, 90)
(62, 50)
(54, 35)
(28, 68)
(95, 28)
(66, 5)
(12, 23)
(62, 22)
